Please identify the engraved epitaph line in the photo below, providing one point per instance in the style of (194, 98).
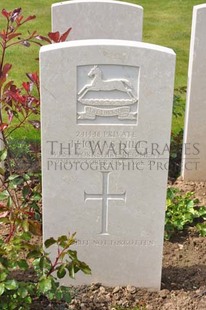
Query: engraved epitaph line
(105, 197)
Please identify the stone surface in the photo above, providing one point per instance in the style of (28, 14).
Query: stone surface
(98, 19)
(105, 159)
(194, 152)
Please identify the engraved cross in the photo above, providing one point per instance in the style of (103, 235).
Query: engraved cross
(105, 197)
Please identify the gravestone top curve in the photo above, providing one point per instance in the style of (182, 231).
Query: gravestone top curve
(98, 20)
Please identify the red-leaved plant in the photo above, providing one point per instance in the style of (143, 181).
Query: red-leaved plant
(20, 194)
(19, 104)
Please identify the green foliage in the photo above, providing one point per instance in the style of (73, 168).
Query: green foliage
(20, 201)
(201, 228)
(19, 254)
(178, 112)
(25, 155)
(179, 103)
(181, 211)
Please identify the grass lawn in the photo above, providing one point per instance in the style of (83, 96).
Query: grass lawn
(166, 23)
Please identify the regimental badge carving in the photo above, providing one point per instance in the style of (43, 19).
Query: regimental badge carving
(107, 94)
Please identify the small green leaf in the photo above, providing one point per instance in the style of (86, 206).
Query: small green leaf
(25, 191)
(34, 206)
(49, 242)
(190, 204)
(13, 177)
(28, 300)
(201, 227)
(44, 262)
(61, 272)
(41, 262)
(4, 195)
(3, 276)
(202, 211)
(2, 171)
(11, 285)
(23, 264)
(15, 182)
(26, 236)
(2, 288)
(26, 177)
(34, 254)
(3, 154)
(51, 295)
(59, 294)
(36, 197)
(22, 292)
(72, 254)
(25, 225)
(62, 239)
(9, 201)
(45, 285)
(67, 297)
(85, 268)
(35, 264)
(4, 220)
(66, 293)
(70, 268)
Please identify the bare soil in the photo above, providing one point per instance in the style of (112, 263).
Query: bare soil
(183, 285)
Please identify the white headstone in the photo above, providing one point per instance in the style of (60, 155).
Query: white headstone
(106, 121)
(99, 19)
(194, 150)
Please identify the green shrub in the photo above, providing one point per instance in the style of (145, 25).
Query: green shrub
(182, 211)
